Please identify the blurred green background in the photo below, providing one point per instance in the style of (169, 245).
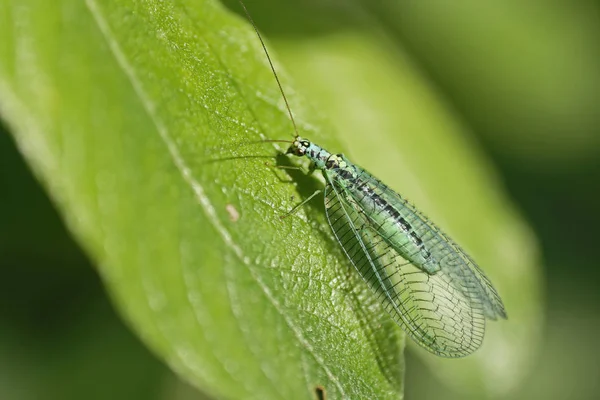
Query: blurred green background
(523, 77)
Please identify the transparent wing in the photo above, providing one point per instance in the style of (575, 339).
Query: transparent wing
(436, 310)
(453, 260)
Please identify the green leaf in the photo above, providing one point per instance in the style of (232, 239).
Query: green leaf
(137, 118)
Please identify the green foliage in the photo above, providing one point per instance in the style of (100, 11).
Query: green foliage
(139, 118)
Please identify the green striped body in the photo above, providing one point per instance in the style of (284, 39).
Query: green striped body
(427, 283)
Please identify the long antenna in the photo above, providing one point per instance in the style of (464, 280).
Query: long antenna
(287, 105)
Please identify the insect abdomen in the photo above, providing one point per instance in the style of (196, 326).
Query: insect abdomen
(394, 227)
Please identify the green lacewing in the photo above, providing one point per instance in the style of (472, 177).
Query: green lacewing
(427, 283)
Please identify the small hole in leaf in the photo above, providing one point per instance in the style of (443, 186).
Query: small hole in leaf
(320, 392)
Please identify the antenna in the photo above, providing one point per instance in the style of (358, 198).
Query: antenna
(287, 105)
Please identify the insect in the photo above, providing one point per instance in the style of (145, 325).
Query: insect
(428, 284)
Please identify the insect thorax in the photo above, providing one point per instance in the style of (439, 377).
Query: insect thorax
(318, 155)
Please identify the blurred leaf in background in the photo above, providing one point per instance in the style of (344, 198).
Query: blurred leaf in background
(136, 117)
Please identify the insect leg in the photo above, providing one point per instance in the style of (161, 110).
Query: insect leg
(293, 210)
